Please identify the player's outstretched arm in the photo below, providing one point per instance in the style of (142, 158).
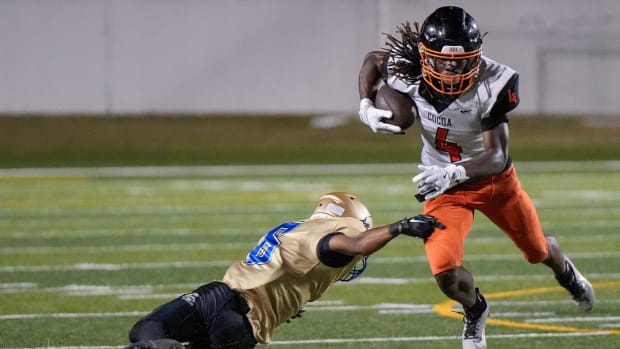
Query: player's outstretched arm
(370, 241)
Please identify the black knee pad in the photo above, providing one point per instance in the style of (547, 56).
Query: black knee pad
(176, 319)
(147, 329)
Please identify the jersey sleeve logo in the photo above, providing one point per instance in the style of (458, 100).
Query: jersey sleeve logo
(513, 98)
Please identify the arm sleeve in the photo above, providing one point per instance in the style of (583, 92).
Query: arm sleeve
(331, 258)
(507, 100)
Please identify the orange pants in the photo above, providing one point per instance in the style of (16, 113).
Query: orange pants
(502, 200)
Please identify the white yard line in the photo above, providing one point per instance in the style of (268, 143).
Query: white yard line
(374, 340)
(417, 308)
(70, 315)
(236, 245)
(224, 263)
(112, 266)
(381, 308)
(566, 319)
(435, 338)
(124, 248)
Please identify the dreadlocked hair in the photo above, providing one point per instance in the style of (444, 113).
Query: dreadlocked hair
(405, 58)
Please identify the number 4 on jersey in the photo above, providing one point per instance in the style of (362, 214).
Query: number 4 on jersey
(441, 143)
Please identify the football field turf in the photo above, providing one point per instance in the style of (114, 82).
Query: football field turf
(85, 252)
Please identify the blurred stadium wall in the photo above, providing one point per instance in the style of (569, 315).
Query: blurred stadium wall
(280, 56)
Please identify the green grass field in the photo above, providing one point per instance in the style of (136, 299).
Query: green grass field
(147, 140)
(85, 252)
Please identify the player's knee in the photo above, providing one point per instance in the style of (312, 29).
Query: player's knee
(146, 329)
(448, 281)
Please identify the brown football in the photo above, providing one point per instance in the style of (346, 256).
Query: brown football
(400, 104)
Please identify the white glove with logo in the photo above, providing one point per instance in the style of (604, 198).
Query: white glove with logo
(434, 180)
(372, 117)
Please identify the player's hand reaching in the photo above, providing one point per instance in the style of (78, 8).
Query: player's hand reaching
(372, 117)
(434, 180)
(420, 226)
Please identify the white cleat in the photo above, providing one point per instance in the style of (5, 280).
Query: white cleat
(579, 287)
(473, 331)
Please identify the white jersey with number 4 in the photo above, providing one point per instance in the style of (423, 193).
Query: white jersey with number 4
(455, 134)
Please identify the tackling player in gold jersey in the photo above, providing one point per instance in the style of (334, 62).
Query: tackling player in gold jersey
(294, 263)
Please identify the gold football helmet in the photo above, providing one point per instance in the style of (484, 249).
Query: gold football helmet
(341, 204)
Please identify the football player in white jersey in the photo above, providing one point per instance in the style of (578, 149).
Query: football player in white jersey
(294, 263)
(462, 99)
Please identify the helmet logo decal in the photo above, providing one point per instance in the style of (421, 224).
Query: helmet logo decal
(452, 49)
(366, 223)
(335, 209)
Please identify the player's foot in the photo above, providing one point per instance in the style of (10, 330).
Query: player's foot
(473, 331)
(162, 343)
(579, 287)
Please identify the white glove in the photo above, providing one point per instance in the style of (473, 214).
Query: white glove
(372, 117)
(434, 180)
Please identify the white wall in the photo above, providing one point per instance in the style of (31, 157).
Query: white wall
(264, 56)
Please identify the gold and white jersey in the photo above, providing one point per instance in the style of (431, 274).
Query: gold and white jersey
(283, 272)
(455, 133)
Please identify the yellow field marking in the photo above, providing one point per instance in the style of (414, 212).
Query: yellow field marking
(445, 309)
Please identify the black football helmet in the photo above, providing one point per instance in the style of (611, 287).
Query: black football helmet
(450, 38)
